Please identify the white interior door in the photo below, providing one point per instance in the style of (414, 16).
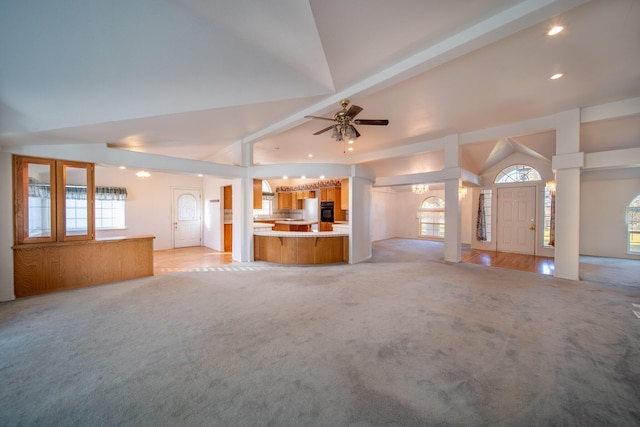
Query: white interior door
(516, 220)
(187, 218)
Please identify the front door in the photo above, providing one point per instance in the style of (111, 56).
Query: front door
(516, 220)
(187, 220)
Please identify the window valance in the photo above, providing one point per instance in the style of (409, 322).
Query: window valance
(78, 192)
(111, 193)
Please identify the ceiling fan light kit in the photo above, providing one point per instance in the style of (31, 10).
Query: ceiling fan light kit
(344, 130)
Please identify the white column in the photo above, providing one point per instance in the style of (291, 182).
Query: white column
(453, 223)
(452, 217)
(6, 228)
(243, 209)
(567, 164)
(360, 219)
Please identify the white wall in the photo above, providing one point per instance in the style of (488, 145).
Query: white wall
(604, 196)
(383, 221)
(6, 228)
(213, 199)
(395, 213)
(149, 202)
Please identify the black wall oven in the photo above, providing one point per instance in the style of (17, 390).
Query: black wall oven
(326, 211)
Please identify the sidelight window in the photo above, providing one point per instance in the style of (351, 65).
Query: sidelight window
(633, 226)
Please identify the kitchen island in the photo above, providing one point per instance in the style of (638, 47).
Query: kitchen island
(294, 225)
(300, 247)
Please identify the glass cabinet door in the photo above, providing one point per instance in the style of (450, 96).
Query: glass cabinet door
(35, 200)
(54, 200)
(76, 201)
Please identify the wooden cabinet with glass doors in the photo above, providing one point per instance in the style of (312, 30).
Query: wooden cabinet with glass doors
(53, 213)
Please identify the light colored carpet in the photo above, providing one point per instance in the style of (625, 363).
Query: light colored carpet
(403, 340)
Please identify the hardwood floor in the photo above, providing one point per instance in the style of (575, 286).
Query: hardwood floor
(185, 259)
(535, 264)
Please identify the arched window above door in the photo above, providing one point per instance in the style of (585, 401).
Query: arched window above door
(517, 173)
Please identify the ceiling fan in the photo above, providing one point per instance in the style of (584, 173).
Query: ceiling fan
(344, 119)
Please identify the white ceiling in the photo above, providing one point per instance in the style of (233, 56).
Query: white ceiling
(189, 78)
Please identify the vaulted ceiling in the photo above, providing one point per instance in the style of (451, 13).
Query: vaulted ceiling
(193, 78)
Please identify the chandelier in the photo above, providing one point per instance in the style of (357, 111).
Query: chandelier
(420, 188)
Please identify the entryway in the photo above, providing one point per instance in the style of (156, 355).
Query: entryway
(516, 221)
(187, 220)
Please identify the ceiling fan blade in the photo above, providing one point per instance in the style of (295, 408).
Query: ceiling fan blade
(371, 122)
(324, 130)
(318, 117)
(356, 131)
(354, 110)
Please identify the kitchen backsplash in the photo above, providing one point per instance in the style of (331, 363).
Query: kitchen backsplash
(282, 214)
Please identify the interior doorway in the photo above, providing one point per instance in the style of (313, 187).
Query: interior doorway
(187, 217)
(516, 220)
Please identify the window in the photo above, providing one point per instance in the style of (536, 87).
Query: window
(110, 207)
(110, 214)
(483, 222)
(267, 200)
(431, 216)
(633, 226)
(517, 173)
(51, 202)
(549, 206)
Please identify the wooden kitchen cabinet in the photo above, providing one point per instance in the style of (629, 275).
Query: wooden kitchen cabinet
(228, 237)
(257, 194)
(227, 200)
(285, 200)
(344, 194)
(327, 194)
(339, 213)
(326, 226)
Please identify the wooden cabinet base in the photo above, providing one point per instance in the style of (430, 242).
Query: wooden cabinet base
(301, 250)
(43, 268)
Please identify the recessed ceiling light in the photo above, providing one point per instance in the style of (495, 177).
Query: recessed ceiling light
(143, 174)
(556, 76)
(200, 175)
(321, 176)
(350, 148)
(309, 155)
(555, 30)
(123, 167)
(285, 177)
(351, 141)
(303, 177)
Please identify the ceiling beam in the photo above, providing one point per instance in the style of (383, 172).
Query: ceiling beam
(499, 26)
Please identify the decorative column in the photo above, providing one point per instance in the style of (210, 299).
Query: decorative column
(452, 216)
(452, 219)
(360, 208)
(567, 164)
(243, 211)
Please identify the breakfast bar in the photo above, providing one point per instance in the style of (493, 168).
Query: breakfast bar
(300, 248)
